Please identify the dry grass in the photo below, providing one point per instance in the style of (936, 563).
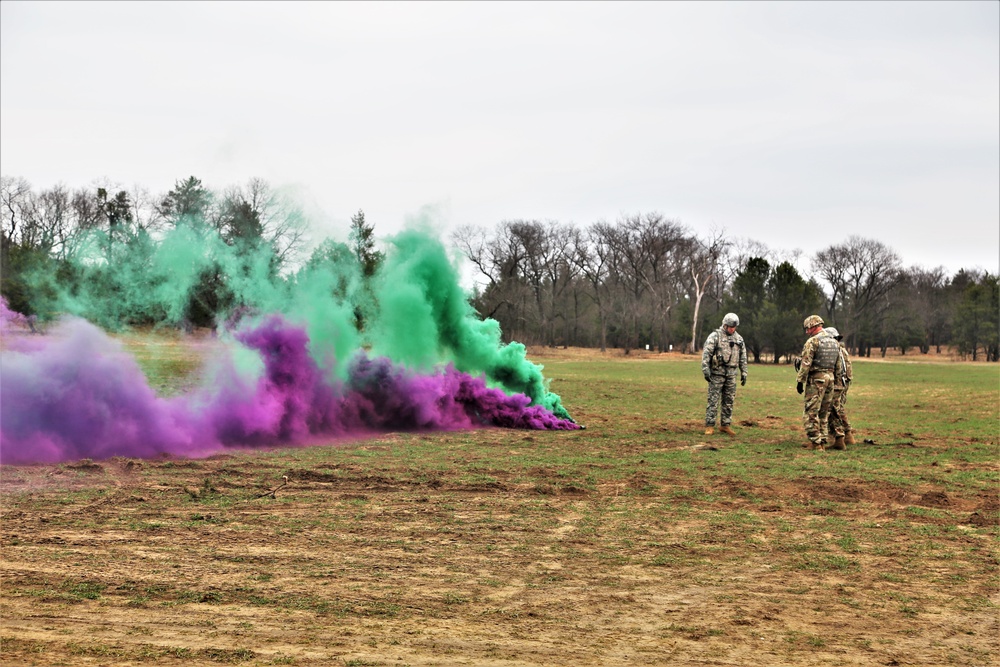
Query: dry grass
(636, 541)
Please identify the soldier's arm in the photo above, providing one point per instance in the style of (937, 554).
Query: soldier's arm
(707, 352)
(807, 358)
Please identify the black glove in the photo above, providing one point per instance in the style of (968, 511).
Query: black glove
(708, 378)
(798, 387)
(743, 379)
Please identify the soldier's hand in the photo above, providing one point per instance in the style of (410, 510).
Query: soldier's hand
(708, 377)
(743, 379)
(798, 387)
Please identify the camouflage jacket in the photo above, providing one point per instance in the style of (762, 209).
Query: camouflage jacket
(724, 354)
(815, 350)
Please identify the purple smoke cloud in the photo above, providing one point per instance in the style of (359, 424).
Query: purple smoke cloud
(11, 319)
(78, 394)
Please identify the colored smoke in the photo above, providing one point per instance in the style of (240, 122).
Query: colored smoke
(10, 319)
(297, 375)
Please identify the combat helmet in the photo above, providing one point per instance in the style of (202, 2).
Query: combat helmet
(812, 321)
(731, 320)
(831, 331)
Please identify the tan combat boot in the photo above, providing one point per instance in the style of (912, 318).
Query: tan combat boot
(849, 438)
(728, 431)
(839, 443)
(709, 430)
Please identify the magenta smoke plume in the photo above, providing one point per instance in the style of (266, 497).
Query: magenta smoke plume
(78, 394)
(10, 319)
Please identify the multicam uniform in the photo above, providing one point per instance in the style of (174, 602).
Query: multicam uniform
(821, 362)
(723, 357)
(839, 425)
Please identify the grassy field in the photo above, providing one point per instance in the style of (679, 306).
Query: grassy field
(638, 541)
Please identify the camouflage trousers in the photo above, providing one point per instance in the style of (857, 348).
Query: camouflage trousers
(839, 425)
(721, 390)
(818, 401)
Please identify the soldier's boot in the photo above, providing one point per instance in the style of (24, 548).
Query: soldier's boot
(728, 431)
(849, 438)
(839, 443)
(709, 430)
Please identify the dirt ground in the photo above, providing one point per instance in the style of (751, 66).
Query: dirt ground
(346, 556)
(128, 562)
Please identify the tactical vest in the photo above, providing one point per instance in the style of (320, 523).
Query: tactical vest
(826, 355)
(727, 350)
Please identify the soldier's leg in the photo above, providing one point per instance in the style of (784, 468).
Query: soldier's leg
(810, 413)
(836, 422)
(848, 437)
(824, 386)
(728, 396)
(712, 406)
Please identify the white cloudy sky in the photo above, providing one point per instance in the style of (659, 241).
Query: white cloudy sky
(795, 124)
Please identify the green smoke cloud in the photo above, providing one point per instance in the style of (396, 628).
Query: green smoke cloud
(424, 317)
(413, 310)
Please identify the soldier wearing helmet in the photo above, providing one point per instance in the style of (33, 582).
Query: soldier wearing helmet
(820, 364)
(840, 427)
(723, 356)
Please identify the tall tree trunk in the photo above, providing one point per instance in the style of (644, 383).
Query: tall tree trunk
(699, 289)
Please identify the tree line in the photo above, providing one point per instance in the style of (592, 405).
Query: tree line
(648, 280)
(644, 280)
(115, 255)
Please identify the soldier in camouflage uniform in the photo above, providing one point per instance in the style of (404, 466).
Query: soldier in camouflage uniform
(840, 427)
(723, 356)
(820, 363)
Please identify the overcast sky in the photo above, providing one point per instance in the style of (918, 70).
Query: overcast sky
(794, 124)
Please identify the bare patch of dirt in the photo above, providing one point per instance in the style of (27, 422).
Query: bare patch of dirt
(126, 562)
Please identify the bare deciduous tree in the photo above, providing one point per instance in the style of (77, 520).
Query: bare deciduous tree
(592, 256)
(278, 220)
(18, 202)
(861, 273)
(703, 260)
